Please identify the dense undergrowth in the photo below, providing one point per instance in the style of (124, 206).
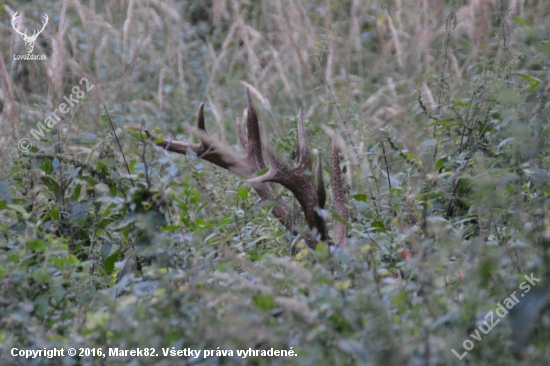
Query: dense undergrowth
(107, 241)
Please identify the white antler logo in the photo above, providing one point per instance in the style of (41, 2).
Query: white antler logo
(29, 40)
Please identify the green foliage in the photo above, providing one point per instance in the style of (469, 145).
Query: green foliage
(130, 247)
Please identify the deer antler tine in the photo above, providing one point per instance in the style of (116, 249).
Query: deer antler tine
(340, 229)
(200, 118)
(320, 183)
(267, 177)
(254, 141)
(212, 150)
(252, 119)
(274, 163)
(304, 160)
(176, 146)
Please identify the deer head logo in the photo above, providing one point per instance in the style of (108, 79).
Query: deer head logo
(29, 40)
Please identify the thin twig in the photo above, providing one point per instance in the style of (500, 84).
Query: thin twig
(119, 146)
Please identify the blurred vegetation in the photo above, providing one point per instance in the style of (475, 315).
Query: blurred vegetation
(445, 104)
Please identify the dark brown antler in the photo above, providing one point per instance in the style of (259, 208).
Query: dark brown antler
(298, 179)
(213, 152)
(340, 229)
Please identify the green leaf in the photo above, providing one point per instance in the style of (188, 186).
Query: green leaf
(243, 193)
(131, 166)
(169, 228)
(360, 197)
(54, 212)
(520, 21)
(194, 199)
(264, 302)
(185, 221)
(411, 156)
(448, 126)
(109, 264)
(485, 271)
(442, 122)
(59, 262)
(534, 82)
(47, 166)
(321, 250)
(21, 210)
(53, 186)
(76, 192)
(90, 180)
(37, 245)
(262, 172)
(226, 220)
(440, 164)
(379, 225)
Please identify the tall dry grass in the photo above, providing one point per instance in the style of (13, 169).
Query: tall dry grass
(354, 65)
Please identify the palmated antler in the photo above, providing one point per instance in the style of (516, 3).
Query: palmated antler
(298, 180)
